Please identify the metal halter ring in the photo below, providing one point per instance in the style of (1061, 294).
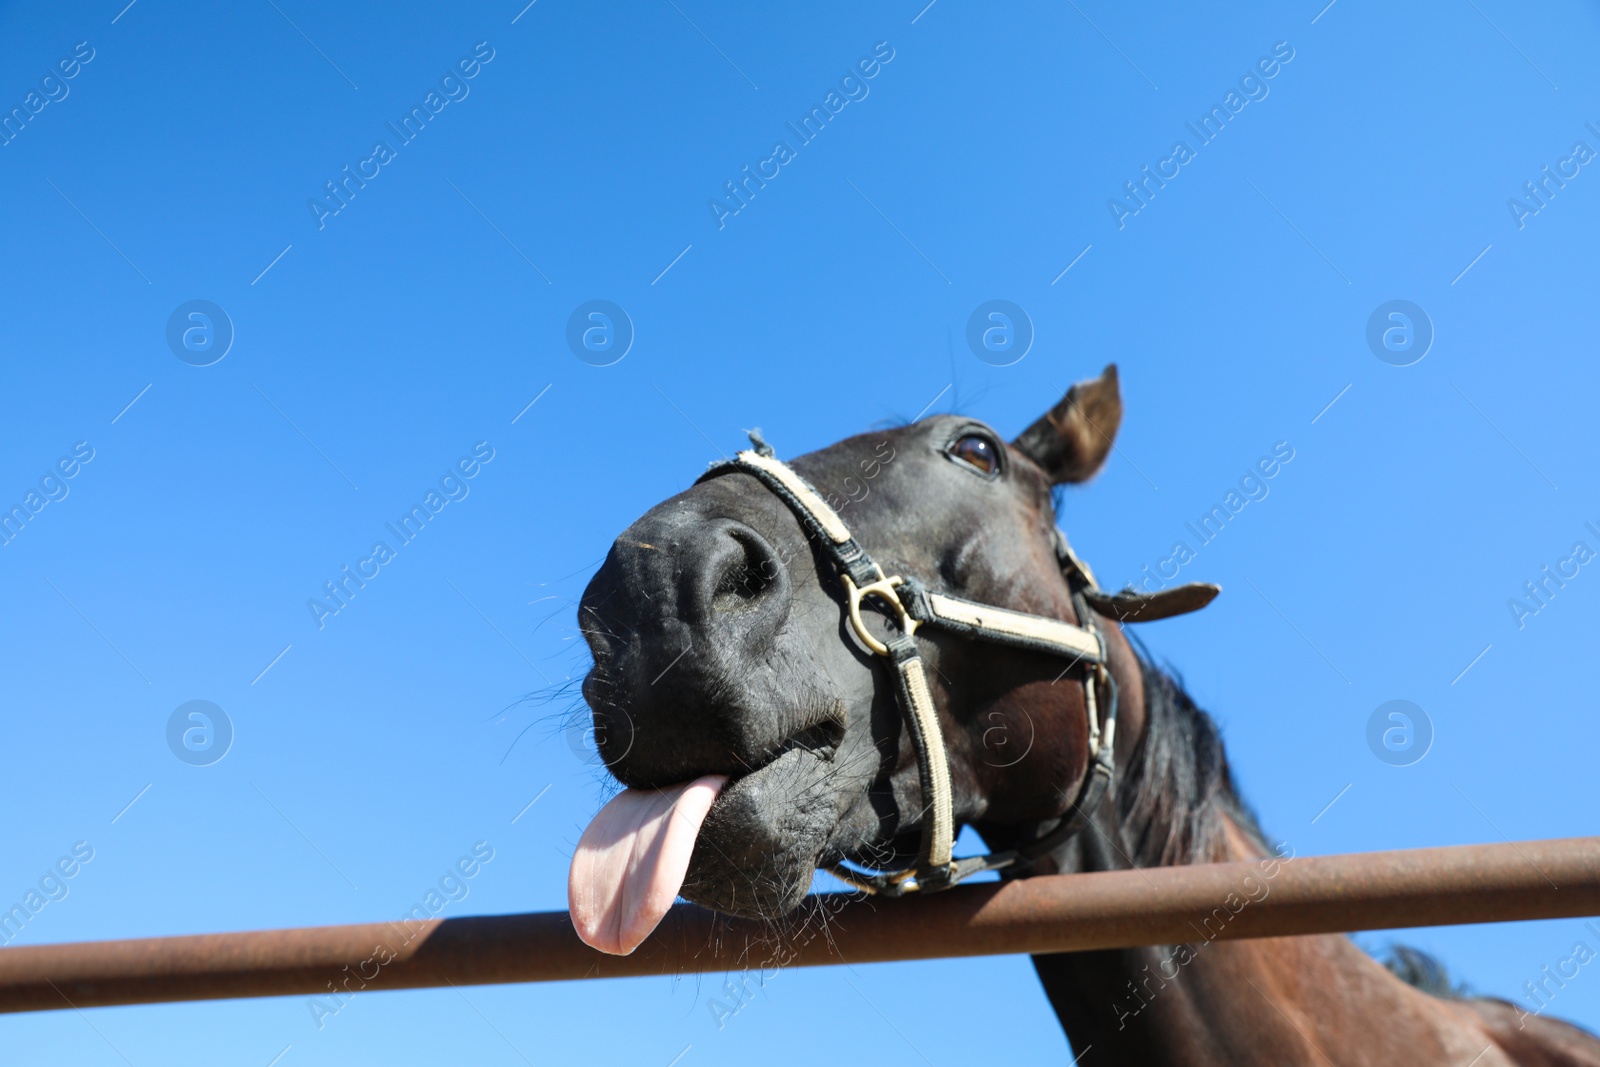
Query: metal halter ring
(883, 589)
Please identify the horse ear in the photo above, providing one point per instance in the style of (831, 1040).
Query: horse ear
(1071, 441)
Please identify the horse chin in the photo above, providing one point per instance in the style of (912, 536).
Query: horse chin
(763, 837)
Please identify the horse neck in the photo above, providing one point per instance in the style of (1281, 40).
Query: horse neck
(1282, 1001)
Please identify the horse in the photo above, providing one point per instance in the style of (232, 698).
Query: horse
(764, 726)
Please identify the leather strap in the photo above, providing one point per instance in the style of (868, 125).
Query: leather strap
(1130, 605)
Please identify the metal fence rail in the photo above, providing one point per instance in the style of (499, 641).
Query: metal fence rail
(1058, 913)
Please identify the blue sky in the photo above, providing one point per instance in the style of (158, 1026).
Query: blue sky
(374, 348)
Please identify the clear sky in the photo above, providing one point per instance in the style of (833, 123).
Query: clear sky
(370, 342)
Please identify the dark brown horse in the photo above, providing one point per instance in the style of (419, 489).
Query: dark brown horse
(760, 739)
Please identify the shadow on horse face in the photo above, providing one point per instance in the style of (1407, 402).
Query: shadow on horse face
(721, 646)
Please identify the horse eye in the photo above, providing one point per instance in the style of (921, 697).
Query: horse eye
(976, 451)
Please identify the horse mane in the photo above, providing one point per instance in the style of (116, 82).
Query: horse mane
(1420, 970)
(1178, 792)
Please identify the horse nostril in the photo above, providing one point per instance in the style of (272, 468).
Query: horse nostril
(745, 575)
(743, 570)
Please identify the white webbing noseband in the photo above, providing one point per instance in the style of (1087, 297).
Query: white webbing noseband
(913, 606)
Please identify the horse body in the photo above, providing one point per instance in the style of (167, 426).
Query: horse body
(721, 654)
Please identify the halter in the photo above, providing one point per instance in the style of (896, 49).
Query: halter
(913, 606)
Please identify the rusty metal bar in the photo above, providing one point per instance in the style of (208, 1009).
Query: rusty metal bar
(1058, 913)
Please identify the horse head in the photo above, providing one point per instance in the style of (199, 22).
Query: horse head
(725, 661)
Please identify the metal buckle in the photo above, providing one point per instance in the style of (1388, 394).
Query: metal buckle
(884, 590)
(905, 881)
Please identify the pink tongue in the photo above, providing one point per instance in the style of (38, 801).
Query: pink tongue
(632, 859)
